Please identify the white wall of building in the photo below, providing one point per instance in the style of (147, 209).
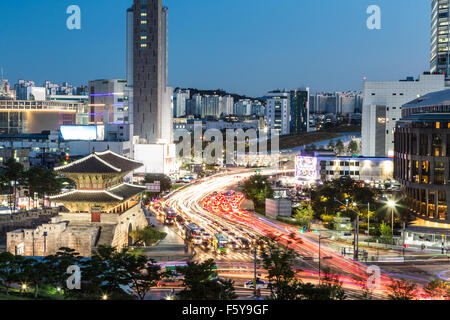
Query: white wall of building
(392, 95)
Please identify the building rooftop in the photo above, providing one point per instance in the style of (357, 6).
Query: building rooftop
(101, 162)
(438, 98)
(116, 194)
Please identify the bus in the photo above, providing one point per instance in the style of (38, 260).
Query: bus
(194, 233)
(220, 243)
(169, 216)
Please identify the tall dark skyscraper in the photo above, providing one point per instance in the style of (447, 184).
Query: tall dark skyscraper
(149, 54)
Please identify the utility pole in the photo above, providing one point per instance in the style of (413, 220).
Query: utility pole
(404, 227)
(368, 219)
(254, 270)
(356, 238)
(320, 238)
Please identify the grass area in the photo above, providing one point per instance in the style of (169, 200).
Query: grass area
(177, 186)
(44, 293)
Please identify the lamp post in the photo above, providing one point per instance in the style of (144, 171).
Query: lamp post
(392, 204)
(356, 235)
(320, 240)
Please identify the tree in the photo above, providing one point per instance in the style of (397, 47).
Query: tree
(278, 262)
(258, 189)
(8, 270)
(14, 173)
(200, 285)
(141, 274)
(166, 183)
(339, 146)
(331, 145)
(58, 264)
(402, 290)
(31, 271)
(386, 232)
(353, 147)
(103, 274)
(146, 236)
(303, 215)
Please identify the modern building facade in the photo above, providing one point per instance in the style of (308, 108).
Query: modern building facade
(422, 155)
(278, 111)
(150, 60)
(440, 37)
(107, 102)
(299, 113)
(382, 107)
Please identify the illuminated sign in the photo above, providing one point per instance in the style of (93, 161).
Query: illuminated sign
(84, 133)
(306, 167)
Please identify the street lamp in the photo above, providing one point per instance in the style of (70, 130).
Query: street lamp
(392, 204)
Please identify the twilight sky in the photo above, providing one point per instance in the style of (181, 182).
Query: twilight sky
(242, 46)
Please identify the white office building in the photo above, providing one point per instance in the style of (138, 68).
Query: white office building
(382, 104)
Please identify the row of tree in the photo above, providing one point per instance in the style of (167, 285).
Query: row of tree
(37, 182)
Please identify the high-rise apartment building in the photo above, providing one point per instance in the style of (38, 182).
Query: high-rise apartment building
(227, 105)
(299, 114)
(440, 37)
(278, 111)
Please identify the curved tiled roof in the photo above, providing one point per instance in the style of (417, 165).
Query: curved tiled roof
(124, 163)
(116, 194)
(102, 162)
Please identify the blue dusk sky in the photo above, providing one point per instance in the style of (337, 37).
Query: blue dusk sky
(242, 46)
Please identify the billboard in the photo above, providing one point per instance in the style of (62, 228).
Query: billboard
(84, 133)
(306, 167)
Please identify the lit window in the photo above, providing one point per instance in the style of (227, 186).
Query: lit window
(143, 21)
(143, 14)
(143, 37)
(143, 45)
(438, 125)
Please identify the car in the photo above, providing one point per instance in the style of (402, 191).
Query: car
(233, 245)
(170, 283)
(260, 284)
(197, 240)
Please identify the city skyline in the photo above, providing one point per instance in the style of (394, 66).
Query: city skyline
(198, 61)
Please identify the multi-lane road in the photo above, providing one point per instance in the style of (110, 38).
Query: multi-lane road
(206, 204)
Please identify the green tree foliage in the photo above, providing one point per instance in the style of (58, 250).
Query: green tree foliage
(13, 174)
(166, 183)
(257, 188)
(303, 215)
(402, 290)
(339, 146)
(331, 145)
(345, 190)
(278, 262)
(386, 232)
(353, 147)
(8, 270)
(146, 236)
(140, 274)
(200, 285)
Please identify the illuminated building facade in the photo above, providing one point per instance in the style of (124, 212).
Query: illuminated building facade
(422, 155)
(440, 37)
(314, 167)
(17, 116)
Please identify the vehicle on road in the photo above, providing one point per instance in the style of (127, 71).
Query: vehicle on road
(192, 230)
(260, 284)
(170, 283)
(220, 243)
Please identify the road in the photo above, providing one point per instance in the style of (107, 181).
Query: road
(204, 204)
